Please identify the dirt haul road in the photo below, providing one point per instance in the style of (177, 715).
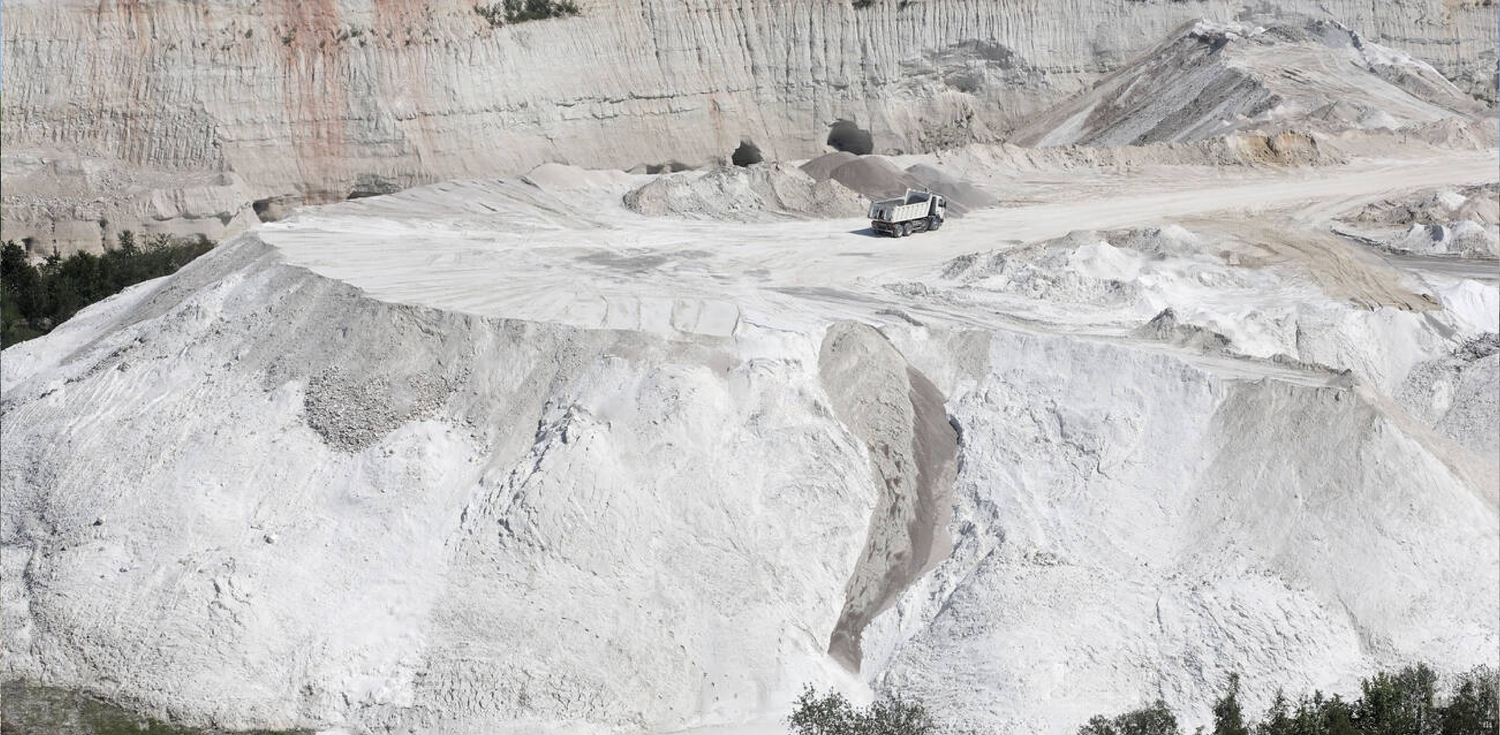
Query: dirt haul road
(457, 246)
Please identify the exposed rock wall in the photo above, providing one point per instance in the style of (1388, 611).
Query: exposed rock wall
(108, 102)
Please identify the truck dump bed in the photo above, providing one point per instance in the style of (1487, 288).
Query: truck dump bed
(912, 206)
(918, 211)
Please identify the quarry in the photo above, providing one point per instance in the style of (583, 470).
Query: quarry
(518, 407)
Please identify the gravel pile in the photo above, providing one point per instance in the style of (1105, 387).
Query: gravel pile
(876, 177)
(760, 192)
(822, 167)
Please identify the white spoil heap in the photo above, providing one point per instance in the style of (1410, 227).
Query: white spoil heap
(509, 457)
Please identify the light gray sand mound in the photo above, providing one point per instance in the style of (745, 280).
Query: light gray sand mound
(764, 191)
(1044, 272)
(1459, 221)
(1459, 395)
(1435, 206)
(962, 195)
(563, 177)
(1167, 327)
(1211, 79)
(875, 177)
(1465, 238)
(822, 167)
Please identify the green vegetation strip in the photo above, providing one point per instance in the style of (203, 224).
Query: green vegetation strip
(832, 714)
(34, 300)
(27, 709)
(1407, 702)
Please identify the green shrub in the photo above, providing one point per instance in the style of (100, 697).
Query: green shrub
(1228, 717)
(1406, 702)
(520, 11)
(34, 300)
(831, 714)
(1474, 706)
(1156, 719)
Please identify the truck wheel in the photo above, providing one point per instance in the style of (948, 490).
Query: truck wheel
(904, 229)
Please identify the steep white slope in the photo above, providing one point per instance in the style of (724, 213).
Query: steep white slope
(493, 456)
(1130, 528)
(1212, 78)
(326, 509)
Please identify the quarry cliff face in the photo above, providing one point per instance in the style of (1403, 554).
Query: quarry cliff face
(193, 118)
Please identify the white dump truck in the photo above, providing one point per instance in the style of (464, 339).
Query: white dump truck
(918, 211)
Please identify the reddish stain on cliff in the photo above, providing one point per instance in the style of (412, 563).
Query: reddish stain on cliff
(315, 57)
(131, 23)
(403, 27)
